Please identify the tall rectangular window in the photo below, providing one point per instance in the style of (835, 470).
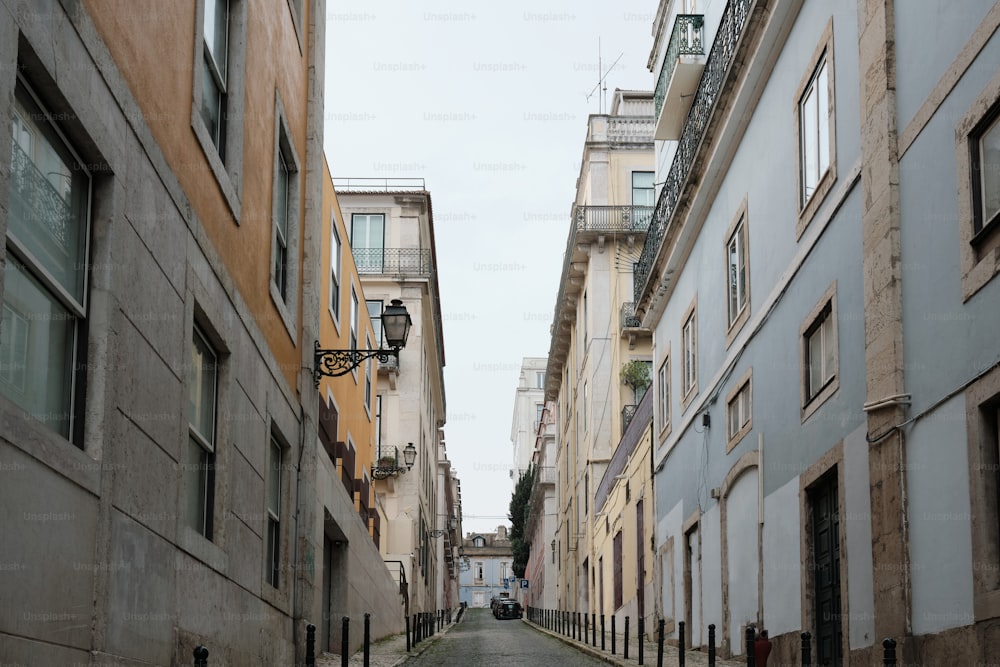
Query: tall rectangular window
(539, 409)
(378, 424)
(814, 131)
(642, 188)
(539, 380)
(689, 354)
(215, 77)
(375, 314)
(583, 408)
(986, 173)
(663, 395)
(739, 411)
(274, 470)
(43, 329)
(820, 362)
(368, 241)
(618, 569)
(368, 380)
(335, 267)
(354, 319)
(200, 468)
(736, 271)
(282, 186)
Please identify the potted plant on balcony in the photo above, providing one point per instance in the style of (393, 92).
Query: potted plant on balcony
(636, 375)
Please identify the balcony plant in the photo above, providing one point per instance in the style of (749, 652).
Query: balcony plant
(636, 375)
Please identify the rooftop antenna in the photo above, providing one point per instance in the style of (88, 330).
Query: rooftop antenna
(602, 85)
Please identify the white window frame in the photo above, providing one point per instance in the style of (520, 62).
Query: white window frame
(376, 328)
(369, 382)
(354, 325)
(815, 147)
(739, 410)
(689, 354)
(336, 268)
(272, 557)
(663, 394)
(821, 321)
(737, 274)
(285, 242)
(203, 443)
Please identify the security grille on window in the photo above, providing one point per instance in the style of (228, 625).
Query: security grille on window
(215, 75)
(820, 362)
(274, 513)
(200, 482)
(43, 327)
(814, 131)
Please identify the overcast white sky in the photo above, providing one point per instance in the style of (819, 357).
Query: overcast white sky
(488, 103)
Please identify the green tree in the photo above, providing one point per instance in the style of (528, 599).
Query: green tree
(518, 516)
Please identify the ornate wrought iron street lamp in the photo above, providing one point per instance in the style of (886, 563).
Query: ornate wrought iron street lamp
(396, 325)
(381, 471)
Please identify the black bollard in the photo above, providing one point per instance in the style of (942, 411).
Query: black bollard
(659, 643)
(407, 634)
(642, 636)
(345, 644)
(310, 645)
(626, 638)
(586, 630)
(889, 652)
(200, 656)
(416, 629)
(593, 628)
(751, 659)
(613, 634)
(368, 638)
(711, 645)
(602, 632)
(806, 650)
(680, 643)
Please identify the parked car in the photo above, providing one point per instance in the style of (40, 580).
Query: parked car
(507, 609)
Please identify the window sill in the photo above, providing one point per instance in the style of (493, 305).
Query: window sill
(229, 189)
(820, 397)
(286, 318)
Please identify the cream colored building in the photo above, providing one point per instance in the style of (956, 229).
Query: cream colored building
(529, 402)
(593, 334)
(390, 224)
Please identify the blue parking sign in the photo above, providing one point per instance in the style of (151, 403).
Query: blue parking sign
(524, 583)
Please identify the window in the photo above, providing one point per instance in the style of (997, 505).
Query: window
(479, 542)
(586, 493)
(583, 322)
(43, 329)
(663, 396)
(642, 188)
(539, 409)
(368, 380)
(640, 391)
(689, 354)
(583, 408)
(503, 571)
(200, 482)
(477, 571)
(214, 95)
(217, 111)
(378, 424)
(273, 555)
(618, 569)
(737, 275)
(375, 314)
(985, 149)
(335, 267)
(819, 353)
(739, 412)
(285, 217)
(815, 131)
(368, 241)
(354, 319)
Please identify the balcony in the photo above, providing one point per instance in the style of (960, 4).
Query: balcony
(723, 54)
(628, 316)
(405, 262)
(37, 204)
(630, 130)
(628, 412)
(612, 218)
(679, 75)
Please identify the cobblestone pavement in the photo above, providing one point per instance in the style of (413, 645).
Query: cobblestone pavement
(483, 641)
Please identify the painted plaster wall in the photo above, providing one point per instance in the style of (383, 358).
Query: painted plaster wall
(711, 572)
(741, 538)
(940, 534)
(782, 562)
(857, 528)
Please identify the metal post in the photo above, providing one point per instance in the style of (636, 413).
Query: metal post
(602, 632)
(407, 634)
(889, 652)
(200, 656)
(593, 628)
(751, 659)
(612, 634)
(680, 643)
(806, 649)
(345, 650)
(642, 636)
(626, 638)
(586, 629)
(659, 643)
(711, 645)
(310, 645)
(368, 638)
(416, 629)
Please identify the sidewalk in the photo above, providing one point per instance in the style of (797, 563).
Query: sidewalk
(670, 659)
(386, 652)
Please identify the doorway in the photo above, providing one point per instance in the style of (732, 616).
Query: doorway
(826, 570)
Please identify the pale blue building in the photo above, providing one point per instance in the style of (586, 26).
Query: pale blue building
(486, 568)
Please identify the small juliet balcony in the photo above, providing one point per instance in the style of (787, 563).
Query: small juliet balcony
(409, 262)
(679, 75)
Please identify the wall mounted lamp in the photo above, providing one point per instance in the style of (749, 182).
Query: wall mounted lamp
(396, 325)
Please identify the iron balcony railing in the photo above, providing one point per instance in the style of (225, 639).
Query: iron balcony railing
(629, 319)
(378, 184)
(612, 218)
(33, 195)
(686, 39)
(393, 261)
(720, 58)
